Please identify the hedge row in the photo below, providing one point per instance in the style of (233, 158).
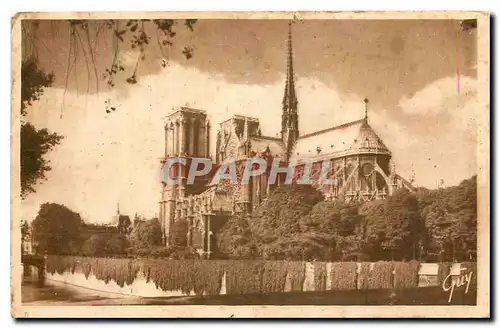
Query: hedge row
(296, 275)
(343, 275)
(122, 271)
(319, 276)
(188, 276)
(381, 276)
(364, 273)
(243, 277)
(60, 264)
(406, 274)
(274, 276)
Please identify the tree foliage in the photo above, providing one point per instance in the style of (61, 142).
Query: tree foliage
(338, 224)
(35, 144)
(117, 244)
(146, 233)
(404, 226)
(296, 224)
(33, 82)
(138, 34)
(374, 230)
(95, 245)
(280, 214)
(56, 230)
(234, 239)
(429, 225)
(179, 232)
(134, 36)
(124, 225)
(450, 217)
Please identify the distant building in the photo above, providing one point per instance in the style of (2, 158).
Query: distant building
(360, 160)
(120, 221)
(27, 245)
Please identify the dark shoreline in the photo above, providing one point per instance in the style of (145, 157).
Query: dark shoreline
(415, 296)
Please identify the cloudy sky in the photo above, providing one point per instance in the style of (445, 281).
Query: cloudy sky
(420, 78)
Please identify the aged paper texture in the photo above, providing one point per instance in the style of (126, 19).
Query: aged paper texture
(271, 164)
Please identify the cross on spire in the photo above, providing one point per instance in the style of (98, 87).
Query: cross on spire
(366, 108)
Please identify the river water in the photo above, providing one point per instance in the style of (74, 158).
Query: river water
(60, 294)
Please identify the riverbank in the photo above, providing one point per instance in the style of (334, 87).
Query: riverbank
(51, 295)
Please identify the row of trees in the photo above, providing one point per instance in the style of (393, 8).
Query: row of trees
(296, 223)
(59, 230)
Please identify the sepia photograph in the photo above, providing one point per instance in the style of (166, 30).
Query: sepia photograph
(250, 164)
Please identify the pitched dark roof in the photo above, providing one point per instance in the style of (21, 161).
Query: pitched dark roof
(352, 137)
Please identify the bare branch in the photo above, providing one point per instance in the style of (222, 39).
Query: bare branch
(86, 63)
(93, 61)
(71, 45)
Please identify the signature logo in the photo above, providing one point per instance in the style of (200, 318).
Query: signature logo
(449, 284)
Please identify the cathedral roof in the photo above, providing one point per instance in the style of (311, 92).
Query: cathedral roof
(260, 144)
(350, 138)
(368, 140)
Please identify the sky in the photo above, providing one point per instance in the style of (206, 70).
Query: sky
(419, 76)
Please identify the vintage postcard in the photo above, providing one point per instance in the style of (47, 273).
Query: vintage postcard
(251, 165)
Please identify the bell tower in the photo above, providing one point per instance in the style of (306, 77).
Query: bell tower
(187, 132)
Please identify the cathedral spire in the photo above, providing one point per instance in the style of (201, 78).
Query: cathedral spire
(289, 117)
(289, 98)
(366, 109)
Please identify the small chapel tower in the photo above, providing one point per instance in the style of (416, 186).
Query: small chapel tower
(289, 117)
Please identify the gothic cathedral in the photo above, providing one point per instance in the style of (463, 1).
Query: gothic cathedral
(359, 161)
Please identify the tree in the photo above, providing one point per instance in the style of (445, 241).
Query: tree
(34, 143)
(116, 245)
(33, 83)
(124, 224)
(235, 238)
(404, 226)
(95, 245)
(450, 216)
(179, 232)
(281, 213)
(335, 226)
(56, 230)
(146, 233)
(274, 224)
(307, 246)
(374, 230)
(464, 228)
